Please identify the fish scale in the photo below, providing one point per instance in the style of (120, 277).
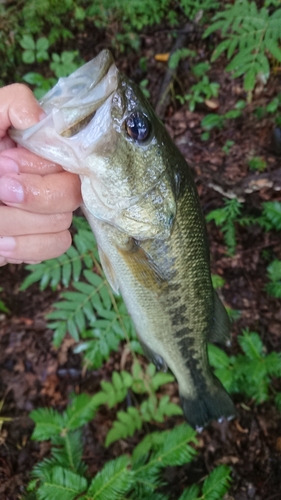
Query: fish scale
(142, 205)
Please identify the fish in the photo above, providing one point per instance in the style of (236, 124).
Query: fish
(141, 201)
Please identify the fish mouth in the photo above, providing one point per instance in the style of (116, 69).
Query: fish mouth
(74, 100)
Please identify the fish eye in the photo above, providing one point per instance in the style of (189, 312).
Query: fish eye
(137, 126)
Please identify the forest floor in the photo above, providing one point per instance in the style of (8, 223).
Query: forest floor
(34, 374)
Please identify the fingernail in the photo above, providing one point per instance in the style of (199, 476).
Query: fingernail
(7, 245)
(7, 165)
(11, 190)
(42, 116)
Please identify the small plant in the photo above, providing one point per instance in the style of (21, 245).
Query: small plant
(257, 163)
(213, 120)
(200, 92)
(65, 475)
(218, 281)
(215, 486)
(192, 8)
(178, 55)
(225, 218)
(250, 373)
(3, 307)
(227, 146)
(34, 50)
(274, 275)
(254, 34)
(41, 85)
(65, 63)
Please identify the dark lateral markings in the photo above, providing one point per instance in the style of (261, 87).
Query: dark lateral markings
(178, 315)
(183, 335)
(193, 365)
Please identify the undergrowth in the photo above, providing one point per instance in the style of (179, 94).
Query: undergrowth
(98, 321)
(46, 34)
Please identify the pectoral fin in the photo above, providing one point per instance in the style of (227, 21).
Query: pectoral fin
(221, 330)
(109, 271)
(143, 268)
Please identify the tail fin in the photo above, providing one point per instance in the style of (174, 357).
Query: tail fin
(208, 406)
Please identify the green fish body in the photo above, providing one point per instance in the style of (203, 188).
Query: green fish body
(142, 204)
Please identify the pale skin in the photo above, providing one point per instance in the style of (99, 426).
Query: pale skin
(37, 197)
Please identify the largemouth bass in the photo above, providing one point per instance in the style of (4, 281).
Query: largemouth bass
(142, 205)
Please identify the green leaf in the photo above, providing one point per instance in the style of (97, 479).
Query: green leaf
(62, 483)
(80, 412)
(28, 57)
(42, 44)
(27, 42)
(113, 482)
(251, 344)
(191, 493)
(217, 483)
(49, 423)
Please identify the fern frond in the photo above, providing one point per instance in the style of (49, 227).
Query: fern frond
(274, 275)
(217, 483)
(113, 481)
(272, 214)
(253, 33)
(78, 307)
(251, 344)
(68, 451)
(127, 424)
(191, 493)
(49, 423)
(80, 411)
(62, 483)
(65, 268)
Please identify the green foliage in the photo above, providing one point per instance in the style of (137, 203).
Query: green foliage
(227, 147)
(199, 92)
(3, 307)
(34, 51)
(257, 163)
(214, 120)
(249, 373)
(274, 275)
(150, 409)
(225, 218)
(134, 477)
(113, 482)
(192, 8)
(215, 486)
(271, 216)
(178, 55)
(230, 215)
(253, 34)
(65, 63)
(217, 281)
(41, 85)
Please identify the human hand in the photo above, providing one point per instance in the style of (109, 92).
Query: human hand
(37, 197)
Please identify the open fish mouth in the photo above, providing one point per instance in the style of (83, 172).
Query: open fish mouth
(71, 105)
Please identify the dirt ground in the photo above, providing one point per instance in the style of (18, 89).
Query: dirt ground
(34, 374)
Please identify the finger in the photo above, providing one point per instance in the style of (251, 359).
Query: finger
(34, 247)
(21, 160)
(18, 108)
(16, 222)
(6, 143)
(49, 194)
(4, 261)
